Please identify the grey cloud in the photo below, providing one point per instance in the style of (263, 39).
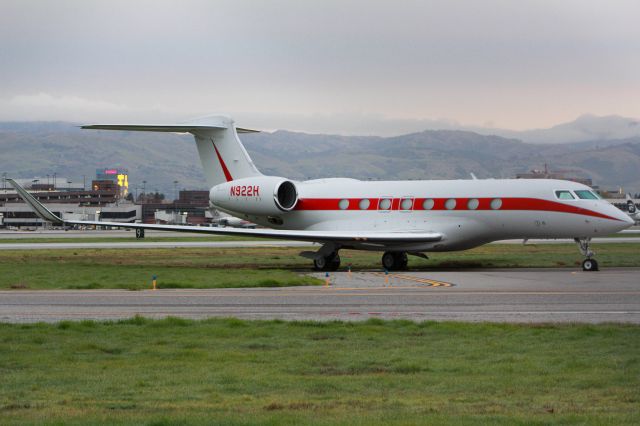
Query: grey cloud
(520, 64)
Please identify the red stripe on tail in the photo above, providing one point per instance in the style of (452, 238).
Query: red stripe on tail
(227, 175)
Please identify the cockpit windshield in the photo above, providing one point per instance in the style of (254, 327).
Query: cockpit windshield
(583, 194)
(564, 195)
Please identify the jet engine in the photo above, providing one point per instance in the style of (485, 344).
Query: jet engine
(260, 195)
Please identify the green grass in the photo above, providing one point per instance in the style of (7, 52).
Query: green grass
(132, 239)
(219, 371)
(255, 267)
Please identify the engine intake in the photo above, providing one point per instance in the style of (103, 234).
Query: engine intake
(286, 196)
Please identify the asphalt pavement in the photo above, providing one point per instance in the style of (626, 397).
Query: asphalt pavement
(500, 295)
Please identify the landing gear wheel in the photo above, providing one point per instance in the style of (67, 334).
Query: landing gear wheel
(319, 263)
(393, 261)
(327, 263)
(589, 265)
(402, 260)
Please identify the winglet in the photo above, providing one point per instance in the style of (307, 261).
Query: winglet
(36, 205)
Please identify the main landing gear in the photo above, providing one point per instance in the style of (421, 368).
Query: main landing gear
(589, 264)
(394, 261)
(327, 263)
(325, 259)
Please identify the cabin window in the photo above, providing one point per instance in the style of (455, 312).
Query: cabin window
(450, 204)
(583, 194)
(343, 204)
(428, 204)
(364, 204)
(473, 203)
(406, 204)
(496, 203)
(564, 195)
(385, 204)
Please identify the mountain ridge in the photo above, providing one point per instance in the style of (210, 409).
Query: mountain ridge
(32, 149)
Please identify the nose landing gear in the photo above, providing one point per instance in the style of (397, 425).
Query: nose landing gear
(589, 264)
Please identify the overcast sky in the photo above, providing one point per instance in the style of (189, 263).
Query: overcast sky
(326, 66)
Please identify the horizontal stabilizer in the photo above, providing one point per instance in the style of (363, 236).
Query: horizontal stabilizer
(172, 128)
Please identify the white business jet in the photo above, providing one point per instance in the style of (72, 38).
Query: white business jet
(394, 217)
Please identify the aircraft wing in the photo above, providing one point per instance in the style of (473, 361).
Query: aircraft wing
(311, 236)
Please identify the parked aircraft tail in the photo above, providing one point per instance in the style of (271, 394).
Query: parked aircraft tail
(222, 155)
(631, 207)
(632, 210)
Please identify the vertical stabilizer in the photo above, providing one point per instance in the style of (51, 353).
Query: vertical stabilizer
(222, 155)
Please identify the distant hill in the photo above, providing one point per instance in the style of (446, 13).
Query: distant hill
(587, 127)
(41, 148)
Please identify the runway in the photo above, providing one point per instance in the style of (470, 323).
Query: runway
(500, 295)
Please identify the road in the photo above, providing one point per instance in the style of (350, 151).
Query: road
(504, 295)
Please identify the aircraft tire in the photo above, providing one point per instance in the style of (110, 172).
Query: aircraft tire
(402, 260)
(394, 261)
(328, 263)
(589, 265)
(319, 263)
(334, 263)
(388, 261)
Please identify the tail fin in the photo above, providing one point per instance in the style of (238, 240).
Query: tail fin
(222, 155)
(631, 206)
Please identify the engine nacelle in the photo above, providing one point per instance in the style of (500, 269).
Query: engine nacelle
(261, 195)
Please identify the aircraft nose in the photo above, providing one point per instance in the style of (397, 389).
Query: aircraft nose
(621, 219)
(624, 218)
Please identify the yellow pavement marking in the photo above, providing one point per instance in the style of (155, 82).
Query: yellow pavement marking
(429, 282)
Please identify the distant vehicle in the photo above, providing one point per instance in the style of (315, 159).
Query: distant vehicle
(394, 217)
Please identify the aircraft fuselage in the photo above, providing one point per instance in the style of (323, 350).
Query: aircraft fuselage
(468, 212)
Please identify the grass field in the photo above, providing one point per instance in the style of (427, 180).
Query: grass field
(251, 267)
(132, 239)
(219, 371)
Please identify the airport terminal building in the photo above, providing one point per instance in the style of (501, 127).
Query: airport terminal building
(105, 200)
(102, 202)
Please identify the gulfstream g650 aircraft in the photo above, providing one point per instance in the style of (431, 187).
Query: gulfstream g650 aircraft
(397, 218)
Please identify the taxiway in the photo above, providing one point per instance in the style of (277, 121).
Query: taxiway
(501, 295)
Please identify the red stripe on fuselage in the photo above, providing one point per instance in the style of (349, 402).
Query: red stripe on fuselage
(227, 175)
(508, 204)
